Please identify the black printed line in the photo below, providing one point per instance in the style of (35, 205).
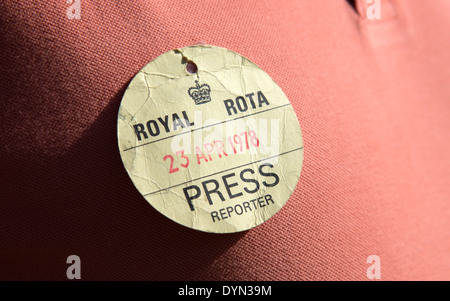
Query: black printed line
(206, 126)
(219, 172)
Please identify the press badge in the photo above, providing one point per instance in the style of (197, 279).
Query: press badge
(209, 139)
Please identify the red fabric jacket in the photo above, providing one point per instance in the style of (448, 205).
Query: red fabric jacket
(372, 98)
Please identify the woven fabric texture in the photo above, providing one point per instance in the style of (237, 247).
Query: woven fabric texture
(372, 98)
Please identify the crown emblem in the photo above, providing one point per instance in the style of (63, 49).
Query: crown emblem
(200, 93)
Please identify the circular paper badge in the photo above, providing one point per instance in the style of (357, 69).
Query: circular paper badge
(209, 139)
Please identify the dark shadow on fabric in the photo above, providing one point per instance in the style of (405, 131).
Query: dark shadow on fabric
(90, 208)
(352, 4)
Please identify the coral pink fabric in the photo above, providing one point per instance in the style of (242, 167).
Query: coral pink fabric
(372, 98)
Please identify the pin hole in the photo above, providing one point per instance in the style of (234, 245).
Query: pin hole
(191, 67)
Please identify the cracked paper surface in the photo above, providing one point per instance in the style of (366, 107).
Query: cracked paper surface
(170, 140)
